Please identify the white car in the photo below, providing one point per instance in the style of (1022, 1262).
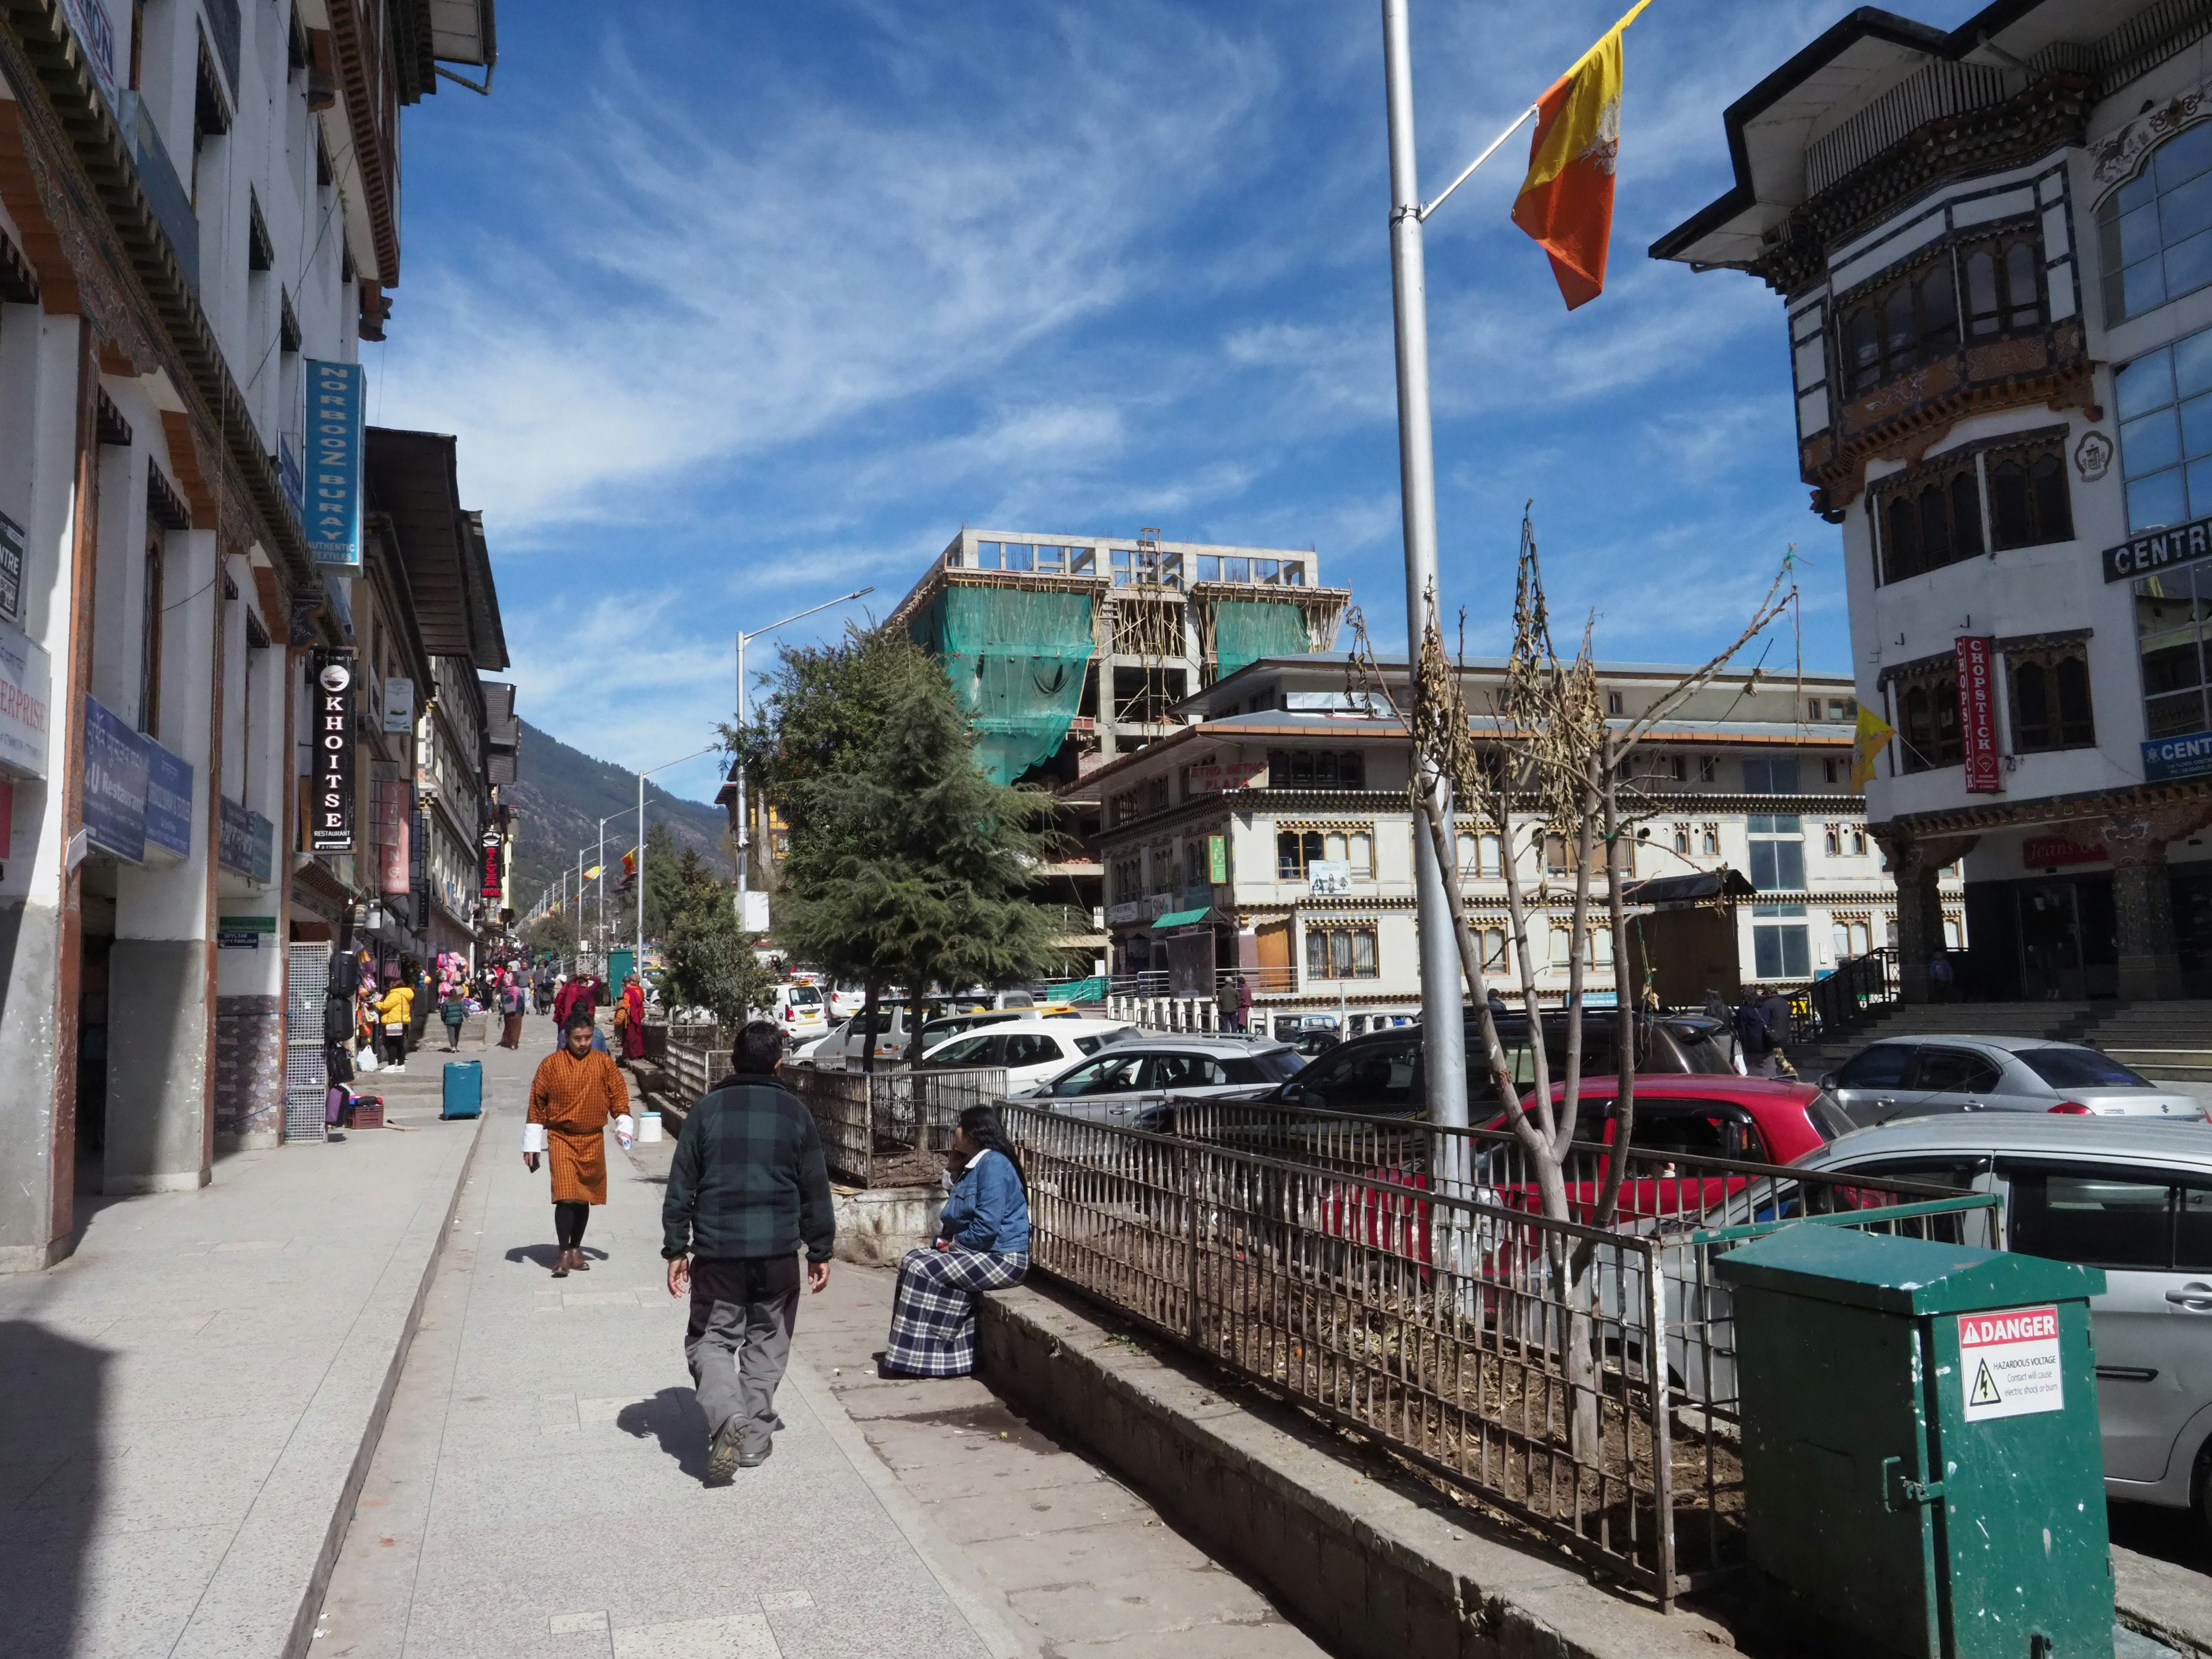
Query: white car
(799, 1010)
(1028, 1050)
(2130, 1196)
(846, 998)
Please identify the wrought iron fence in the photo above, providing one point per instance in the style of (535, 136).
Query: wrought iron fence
(891, 1128)
(1403, 1281)
(1860, 988)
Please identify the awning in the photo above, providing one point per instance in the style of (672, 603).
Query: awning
(1183, 917)
(1704, 886)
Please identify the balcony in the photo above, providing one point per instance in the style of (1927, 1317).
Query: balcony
(157, 176)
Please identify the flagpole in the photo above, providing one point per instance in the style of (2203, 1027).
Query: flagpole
(1443, 1029)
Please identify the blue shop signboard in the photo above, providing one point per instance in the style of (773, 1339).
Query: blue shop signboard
(333, 462)
(249, 842)
(168, 800)
(2189, 756)
(114, 784)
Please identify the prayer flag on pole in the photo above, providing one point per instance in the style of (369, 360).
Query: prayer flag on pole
(1566, 201)
(1873, 736)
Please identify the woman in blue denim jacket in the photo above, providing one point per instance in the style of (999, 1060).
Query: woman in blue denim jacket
(982, 1244)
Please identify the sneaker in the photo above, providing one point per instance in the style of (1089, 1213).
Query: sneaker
(722, 1459)
(753, 1460)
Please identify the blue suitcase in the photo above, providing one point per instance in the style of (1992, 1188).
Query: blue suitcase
(464, 1089)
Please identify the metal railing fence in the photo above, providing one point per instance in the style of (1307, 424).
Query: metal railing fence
(891, 1127)
(1860, 988)
(1582, 1380)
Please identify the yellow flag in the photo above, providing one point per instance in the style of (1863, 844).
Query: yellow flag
(592, 873)
(1873, 736)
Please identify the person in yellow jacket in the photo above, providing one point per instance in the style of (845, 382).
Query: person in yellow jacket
(393, 1010)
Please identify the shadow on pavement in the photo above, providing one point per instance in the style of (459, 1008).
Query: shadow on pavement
(673, 1418)
(545, 1255)
(2173, 1535)
(50, 1485)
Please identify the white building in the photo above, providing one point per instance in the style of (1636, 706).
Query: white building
(1272, 836)
(199, 200)
(1996, 279)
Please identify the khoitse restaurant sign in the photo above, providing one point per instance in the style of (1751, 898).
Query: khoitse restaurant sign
(330, 828)
(1977, 715)
(2008, 1363)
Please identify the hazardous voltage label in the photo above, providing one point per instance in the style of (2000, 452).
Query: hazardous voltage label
(2009, 1362)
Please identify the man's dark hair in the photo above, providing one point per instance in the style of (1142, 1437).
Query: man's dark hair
(759, 1047)
(579, 1015)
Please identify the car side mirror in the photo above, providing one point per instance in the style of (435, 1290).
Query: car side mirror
(1828, 1080)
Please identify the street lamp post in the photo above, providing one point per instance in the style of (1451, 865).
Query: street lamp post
(744, 823)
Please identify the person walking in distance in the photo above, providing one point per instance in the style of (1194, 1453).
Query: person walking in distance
(631, 1019)
(1243, 1003)
(747, 1189)
(576, 1093)
(393, 1011)
(512, 997)
(1225, 1000)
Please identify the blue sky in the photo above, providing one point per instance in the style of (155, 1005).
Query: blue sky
(737, 306)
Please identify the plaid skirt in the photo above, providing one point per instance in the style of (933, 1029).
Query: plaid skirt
(933, 1310)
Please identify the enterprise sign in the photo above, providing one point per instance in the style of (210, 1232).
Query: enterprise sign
(2159, 549)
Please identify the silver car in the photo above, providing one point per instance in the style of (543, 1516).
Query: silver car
(1137, 1073)
(1920, 1076)
(2133, 1199)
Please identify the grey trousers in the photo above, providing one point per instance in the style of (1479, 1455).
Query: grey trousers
(738, 1341)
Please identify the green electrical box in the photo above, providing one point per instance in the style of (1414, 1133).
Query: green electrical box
(620, 964)
(1923, 1474)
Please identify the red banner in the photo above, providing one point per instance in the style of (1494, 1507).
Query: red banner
(1977, 715)
(2045, 852)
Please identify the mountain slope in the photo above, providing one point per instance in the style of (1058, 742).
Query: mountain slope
(562, 795)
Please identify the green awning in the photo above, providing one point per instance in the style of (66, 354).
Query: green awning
(1183, 917)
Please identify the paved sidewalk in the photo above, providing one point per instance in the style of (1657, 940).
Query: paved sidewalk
(538, 1489)
(185, 1401)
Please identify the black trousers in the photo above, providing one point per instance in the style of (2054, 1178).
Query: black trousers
(569, 1217)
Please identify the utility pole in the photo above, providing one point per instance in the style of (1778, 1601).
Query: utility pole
(1443, 1027)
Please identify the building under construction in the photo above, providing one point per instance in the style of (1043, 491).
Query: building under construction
(1070, 650)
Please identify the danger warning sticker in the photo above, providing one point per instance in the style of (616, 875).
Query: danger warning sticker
(2008, 1363)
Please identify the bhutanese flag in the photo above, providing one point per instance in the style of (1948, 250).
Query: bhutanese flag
(1566, 201)
(1872, 737)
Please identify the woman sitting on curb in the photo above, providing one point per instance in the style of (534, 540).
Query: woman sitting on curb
(982, 1244)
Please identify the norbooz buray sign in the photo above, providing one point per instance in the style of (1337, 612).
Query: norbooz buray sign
(333, 465)
(1977, 715)
(329, 830)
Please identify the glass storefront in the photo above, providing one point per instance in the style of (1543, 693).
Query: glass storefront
(2174, 611)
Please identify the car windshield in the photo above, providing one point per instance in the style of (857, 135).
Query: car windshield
(2065, 1067)
(1827, 1116)
(1289, 1062)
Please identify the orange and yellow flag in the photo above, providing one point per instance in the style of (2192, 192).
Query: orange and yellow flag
(1566, 201)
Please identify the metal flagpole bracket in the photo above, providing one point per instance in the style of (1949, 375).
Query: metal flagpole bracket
(1423, 211)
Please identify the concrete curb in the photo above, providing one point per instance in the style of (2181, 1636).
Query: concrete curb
(300, 1639)
(2169, 1604)
(1371, 1572)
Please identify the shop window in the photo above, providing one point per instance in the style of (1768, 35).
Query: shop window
(2051, 700)
(1781, 950)
(1295, 850)
(1340, 953)
(2163, 401)
(2173, 625)
(2028, 504)
(1928, 725)
(1777, 851)
(1316, 769)
(2155, 233)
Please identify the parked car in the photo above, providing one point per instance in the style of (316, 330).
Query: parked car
(1917, 1076)
(1127, 1082)
(2134, 1198)
(846, 997)
(799, 1010)
(1380, 1072)
(1028, 1050)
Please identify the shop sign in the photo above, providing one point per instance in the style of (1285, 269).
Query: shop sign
(1217, 858)
(2159, 549)
(249, 842)
(1215, 776)
(2047, 852)
(330, 829)
(494, 866)
(114, 784)
(243, 932)
(1977, 715)
(392, 824)
(2186, 757)
(333, 469)
(1329, 877)
(168, 800)
(400, 705)
(26, 682)
(87, 20)
(11, 569)
(1149, 909)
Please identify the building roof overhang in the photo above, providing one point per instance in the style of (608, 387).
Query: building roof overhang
(412, 483)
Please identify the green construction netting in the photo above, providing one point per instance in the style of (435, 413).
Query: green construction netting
(1245, 630)
(1016, 659)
